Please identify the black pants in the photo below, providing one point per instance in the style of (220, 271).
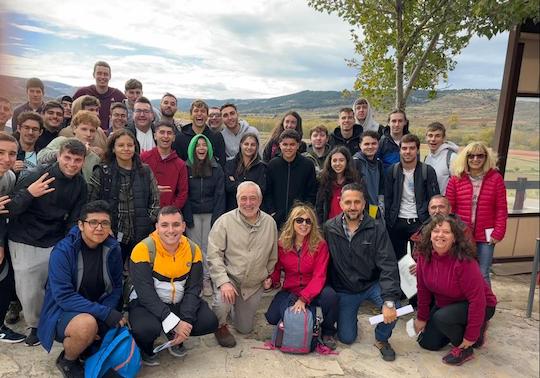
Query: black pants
(7, 286)
(400, 234)
(146, 327)
(327, 300)
(448, 324)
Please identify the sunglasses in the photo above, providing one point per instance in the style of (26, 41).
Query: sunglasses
(301, 220)
(476, 156)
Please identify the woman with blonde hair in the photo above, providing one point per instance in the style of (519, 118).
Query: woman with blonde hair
(477, 194)
(303, 257)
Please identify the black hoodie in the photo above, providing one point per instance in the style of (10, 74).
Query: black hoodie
(336, 139)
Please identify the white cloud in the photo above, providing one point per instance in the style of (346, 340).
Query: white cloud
(118, 47)
(36, 29)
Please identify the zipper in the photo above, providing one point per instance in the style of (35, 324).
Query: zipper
(298, 252)
(287, 193)
(477, 201)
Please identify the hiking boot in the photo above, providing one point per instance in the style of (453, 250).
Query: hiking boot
(13, 314)
(149, 359)
(224, 337)
(483, 336)
(178, 350)
(32, 338)
(329, 341)
(208, 290)
(458, 356)
(68, 368)
(7, 335)
(386, 350)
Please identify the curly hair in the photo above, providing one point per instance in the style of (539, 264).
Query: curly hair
(288, 234)
(462, 249)
(328, 175)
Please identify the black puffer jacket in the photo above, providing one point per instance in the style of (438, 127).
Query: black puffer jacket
(367, 259)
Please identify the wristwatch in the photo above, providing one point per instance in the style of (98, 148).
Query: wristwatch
(389, 304)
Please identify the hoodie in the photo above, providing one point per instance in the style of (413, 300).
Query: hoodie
(440, 161)
(232, 141)
(336, 139)
(372, 174)
(369, 122)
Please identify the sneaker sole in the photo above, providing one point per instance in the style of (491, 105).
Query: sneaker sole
(176, 354)
(33, 345)
(7, 341)
(462, 362)
(155, 363)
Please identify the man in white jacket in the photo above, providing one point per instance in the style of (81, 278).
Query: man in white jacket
(441, 153)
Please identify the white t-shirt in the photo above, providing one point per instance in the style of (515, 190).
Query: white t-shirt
(407, 207)
(146, 140)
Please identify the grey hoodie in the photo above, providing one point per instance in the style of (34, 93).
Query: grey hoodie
(369, 123)
(232, 141)
(439, 161)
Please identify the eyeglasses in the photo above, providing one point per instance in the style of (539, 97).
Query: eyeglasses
(95, 223)
(301, 220)
(476, 156)
(214, 116)
(144, 111)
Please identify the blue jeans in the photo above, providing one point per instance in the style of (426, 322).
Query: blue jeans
(349, 303)
(484, 252)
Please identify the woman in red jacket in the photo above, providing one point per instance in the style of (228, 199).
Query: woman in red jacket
(477, 195)
(303, 256)
(464, 302)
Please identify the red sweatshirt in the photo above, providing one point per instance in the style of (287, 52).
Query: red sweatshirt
(305, 274)
(171, 171)
(451, 281)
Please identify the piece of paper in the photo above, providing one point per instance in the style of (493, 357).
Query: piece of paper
(400, 311)
(407, 280)
(410, 328)
(373, 211)
(488, 232)
(166, 345)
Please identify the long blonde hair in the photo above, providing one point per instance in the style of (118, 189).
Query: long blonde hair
(460, 165)
(287, 237)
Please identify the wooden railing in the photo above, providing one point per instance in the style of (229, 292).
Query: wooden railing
(521, 186)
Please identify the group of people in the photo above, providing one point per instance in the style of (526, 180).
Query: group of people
(109, 204)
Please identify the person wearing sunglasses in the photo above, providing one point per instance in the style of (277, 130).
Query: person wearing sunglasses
(477, 194)
(303, 257)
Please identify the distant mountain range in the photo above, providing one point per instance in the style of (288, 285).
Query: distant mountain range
(317, 101)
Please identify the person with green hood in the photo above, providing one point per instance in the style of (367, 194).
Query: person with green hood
(206, 199)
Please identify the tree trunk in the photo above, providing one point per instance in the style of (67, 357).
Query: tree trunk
(400, 104)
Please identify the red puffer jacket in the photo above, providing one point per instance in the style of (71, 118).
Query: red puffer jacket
(491, 210)
(305, 273)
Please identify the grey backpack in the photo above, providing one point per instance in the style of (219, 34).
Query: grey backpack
(295, 333)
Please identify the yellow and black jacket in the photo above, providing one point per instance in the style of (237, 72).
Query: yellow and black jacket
(168, 279)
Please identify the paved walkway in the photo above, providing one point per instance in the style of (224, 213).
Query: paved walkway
(512, 351)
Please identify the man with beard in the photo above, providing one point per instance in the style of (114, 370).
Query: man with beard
(215, 122)
(234, 130)
(53, 116)
(142, 128)
(168, 107)
(362, 267)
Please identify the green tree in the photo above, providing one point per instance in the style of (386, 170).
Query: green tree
(411, 44)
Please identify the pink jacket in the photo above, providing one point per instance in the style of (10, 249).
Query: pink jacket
(305, 274)
(491, 210)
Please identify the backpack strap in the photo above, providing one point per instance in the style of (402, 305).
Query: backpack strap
(151, 245)
(105, 181)
(395, 168)
(448, 157)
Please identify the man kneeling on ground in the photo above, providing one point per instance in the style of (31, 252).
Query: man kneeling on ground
(166, 271)
(84, 288)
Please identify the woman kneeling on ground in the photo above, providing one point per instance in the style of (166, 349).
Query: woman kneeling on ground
(464, 302)
(303, 256)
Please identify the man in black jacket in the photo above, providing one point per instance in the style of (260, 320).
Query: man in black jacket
(408, 187)
(37, 224)
(199, 116)
(362, 266)
(291, 177)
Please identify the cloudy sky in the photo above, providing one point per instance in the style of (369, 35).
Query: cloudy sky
(205, 48)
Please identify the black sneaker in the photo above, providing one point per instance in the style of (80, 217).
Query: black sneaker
(329, 341)
(32, 338)
(178, 350)
(68, 368)
(458, 356)
(386, 350)
(7, 335)
(13, 314)
(150, 359)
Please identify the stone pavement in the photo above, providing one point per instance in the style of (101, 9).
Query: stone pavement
(512, 350)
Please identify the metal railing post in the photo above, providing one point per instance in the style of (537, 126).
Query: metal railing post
(533, 278)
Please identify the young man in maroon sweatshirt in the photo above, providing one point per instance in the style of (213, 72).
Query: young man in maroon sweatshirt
(169, 169)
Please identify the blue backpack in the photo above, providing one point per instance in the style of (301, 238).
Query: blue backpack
(118, 356)
(295, 333)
